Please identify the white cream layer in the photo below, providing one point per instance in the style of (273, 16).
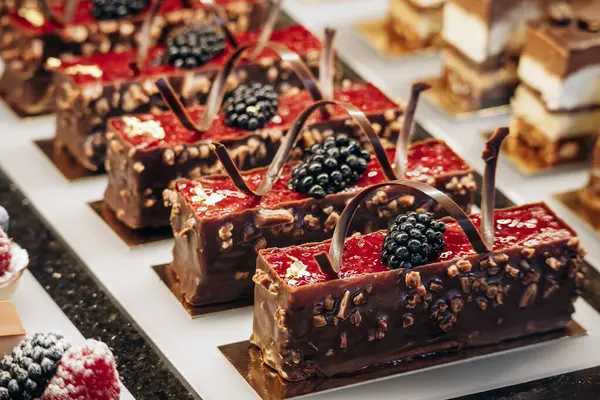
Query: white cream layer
(428, 3)
(478, 41)
(424, 25)
(555, 125)
(579, 89)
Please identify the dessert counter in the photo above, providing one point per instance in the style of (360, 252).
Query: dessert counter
(87, 280)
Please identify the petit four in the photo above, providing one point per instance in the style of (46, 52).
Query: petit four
(481, 35)
(417, 23)
(37, 36)
(11, 328)
(220, 222)
(556, 109)
(423, 287)
(13, 261)
(91, 89)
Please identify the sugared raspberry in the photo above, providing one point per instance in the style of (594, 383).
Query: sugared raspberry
(5, 254)
(86, 372)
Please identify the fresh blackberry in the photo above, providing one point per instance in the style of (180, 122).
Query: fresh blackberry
(251, 106)
(195, 46)
(27, 370)
(413, 239)
(115, 9)
(330, 167)
(4, 219)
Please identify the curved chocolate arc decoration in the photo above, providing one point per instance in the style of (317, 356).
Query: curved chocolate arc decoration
(268, 28)
(221, 20)
(327, 65)
(330, 264)
(219, 87)
(490, 156)
(172, 99)
(145, 33)
(290, 140)
(68, 14)
(407, 128)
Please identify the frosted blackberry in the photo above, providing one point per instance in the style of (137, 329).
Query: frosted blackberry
(115, 9)
(330, 167)
(195, 46)
(251, 106)
(413, 239)
(27, 370)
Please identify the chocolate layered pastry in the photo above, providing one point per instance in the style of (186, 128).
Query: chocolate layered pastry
(590, 196)
(421, 287)
(417, 23)
(483, 36)
(240, 214)
(556, 110)
(90, 90)
(33, 35)
(11, 328)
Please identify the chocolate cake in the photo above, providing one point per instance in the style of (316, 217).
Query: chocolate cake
(483, 36)
(220, 222)
(34, 36)
(92, 89)
(417, 23)
(330, 308)
(556, 109)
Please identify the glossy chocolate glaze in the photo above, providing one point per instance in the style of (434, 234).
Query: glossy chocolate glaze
(374, 316)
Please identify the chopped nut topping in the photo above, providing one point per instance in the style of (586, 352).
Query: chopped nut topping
(270, 218)
(456, 304)
(319, 321)
(447, 322)
(344, 306)
(482, 303)
(512, 271)
(435, 286)
(464, 265)
(208, 199)
(329, 302)
(239, 275)
(329, 353)
(91, 70)
(492, 291)
(501, 258)
(359, 299)
(343, 340)
(420, 290)
(464, 284)
(408, 320)
(355, 318)
(412, 279)
(452, 271)
(296, 270)
(136, 127)
(528, 252)
(529, 296)
(553, 263)
(487, 263)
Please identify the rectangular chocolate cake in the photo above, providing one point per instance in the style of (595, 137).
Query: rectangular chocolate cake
(146, 152)
(219, 230)
(483, 36)
(31, 37)
(417, 23)
(309, 324)
(92, 89)
(556, 110)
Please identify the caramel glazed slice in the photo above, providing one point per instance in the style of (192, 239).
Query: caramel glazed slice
(318, 315)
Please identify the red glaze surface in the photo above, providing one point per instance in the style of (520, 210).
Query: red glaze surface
(115, 66)
(364, 96)
(525, 226)
(429, 158)
(83, 15)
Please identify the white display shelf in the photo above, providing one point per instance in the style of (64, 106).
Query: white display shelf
(191, 345)
(39, 313)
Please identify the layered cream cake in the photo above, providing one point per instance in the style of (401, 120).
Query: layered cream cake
(482, 38)
(556, 109)
(417, 23)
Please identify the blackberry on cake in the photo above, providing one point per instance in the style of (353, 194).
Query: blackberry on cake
(195, 46)
(115, 9)
(413, 239)
(27, 370)
(330, 167)
(251, 107)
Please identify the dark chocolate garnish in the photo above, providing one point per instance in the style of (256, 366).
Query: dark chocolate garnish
(490, 156)
(221, 20)
(58, 20)
(407, 127)
(268, 28)
(327, 65)
(330, 263)
(145, 35)
(288, 143)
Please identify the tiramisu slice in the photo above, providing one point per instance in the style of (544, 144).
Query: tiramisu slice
(417, 23)
(556, 110)
(482, 35)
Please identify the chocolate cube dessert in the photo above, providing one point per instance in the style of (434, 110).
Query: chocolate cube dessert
(556, 109)
(422, 287)
(146, 152)
(482, 37)
(92, 89)
(33, 36)
(418, 23)
(219, 230)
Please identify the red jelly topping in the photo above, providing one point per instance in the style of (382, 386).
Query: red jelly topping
(116, 66)
(364, 96)
(83, 14)
(428, 158)
(525, 226)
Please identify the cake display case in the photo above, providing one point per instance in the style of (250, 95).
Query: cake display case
(231, 301)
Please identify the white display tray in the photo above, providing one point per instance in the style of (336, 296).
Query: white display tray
(191, 345)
